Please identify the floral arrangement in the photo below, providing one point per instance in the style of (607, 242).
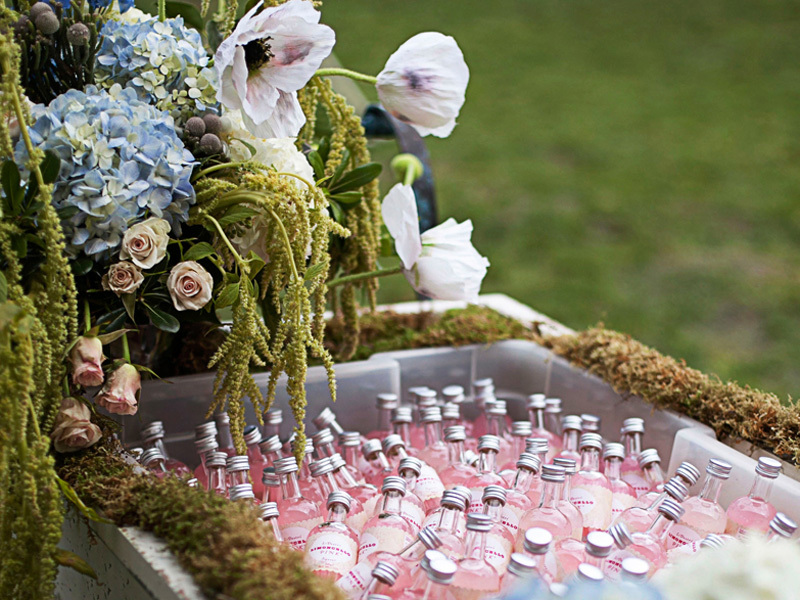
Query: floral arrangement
(162, 172)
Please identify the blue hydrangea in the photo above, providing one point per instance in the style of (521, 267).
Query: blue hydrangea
(121, 161)
(164, 62)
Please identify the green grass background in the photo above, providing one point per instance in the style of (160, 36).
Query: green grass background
(625, 161)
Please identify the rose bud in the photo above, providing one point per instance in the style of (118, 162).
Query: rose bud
(73, 428)
(86, 357)
(119, 394)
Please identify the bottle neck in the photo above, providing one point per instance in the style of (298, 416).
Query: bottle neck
(487, 462)
(158, 443)
(570, 440)
(224, 436)
(595, 561)
(476, 545)
(433, 433)
(271, 429)
(157, 465)
(567, 487)
(254, 454)
(536, 416)
(762, 488)
(653, 474)
(378, 461)
(448, 519)
(551, 494)
(304, 472)
(522, 480)
(711, 488)
(660, 527)
(633, 444)
(411, 479)
(497, 425)
(404, 431)
(590, 460)
(391, 503)
(217, 481)
(337, 513)
(612, 470)
(274, 456)
(290, 490)
(328, 484)
(384, 419)
(455, 453)
(553, 422)
(326, 450)
(276, 530)
(238, 477)
(351, 456)
(493, 509)
(345, 478)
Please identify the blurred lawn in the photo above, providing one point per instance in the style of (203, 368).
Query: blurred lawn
(624, 161)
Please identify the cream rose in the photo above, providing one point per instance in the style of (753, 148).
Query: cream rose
(123, 278)
(118, 395)
(146, 243)
(86, 357)
(190, 285)
(73, 429)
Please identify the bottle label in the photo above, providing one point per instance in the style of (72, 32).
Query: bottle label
(620, 503)
(330, 551)
(510, 517)
(637, 481)
(498, 551)
(358, 520)
(429, 486)
(594, 502)
(613, 564)
(370, 506)
(681, 552)
(355, 581)
(413, 514)
(476, 503)
(432, 522)
(296, 534)
(383, 538)
(678, 535)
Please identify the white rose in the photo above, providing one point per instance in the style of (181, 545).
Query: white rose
(123, 278)
(73, 429)
(146, 243)
(189, 285)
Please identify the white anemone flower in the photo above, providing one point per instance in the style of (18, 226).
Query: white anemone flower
(440, 263)
(267, 58)
(424, 82)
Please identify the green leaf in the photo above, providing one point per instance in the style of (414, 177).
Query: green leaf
(163, 320)
(189, 13)
(117, 320)
(12, 314)
(129, 302)
(10, 180)
(356, 178)
(82, 265)
(66, 212)
(107, 338)
(236, 214)
(72, 496)
(228, 295)
(348, 199)
(198, 251)
(324, 148)
(337, 212)
(316, 162)
(341, 167)
(20, 245)
(50, 166)
(313, 271)
(255, 262)
(3, 288)
(65, 558)
(250, 148)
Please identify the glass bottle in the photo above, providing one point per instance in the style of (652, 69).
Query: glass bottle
(781, 527)
(650, 465)
(482, 391)
(385, 403)
(202, 446)
(451, 415)
(438, 572)
(217, 475)
(387, 531)
(322, 471)
(349, 443)
(597, 548)
(384, 576)
(547, 515)
(475, 577)
(298, 515)
(271, 449)
(252, 437)
(273, 419)
(520, 571)
(571, 427)
(269, 515)
(424, 398)
(457, 472)
(703, 513)
(402, 418)
(454, 394)
(332, 546)
(588, 575)
(152, 436)
(517, 500)
(272, 485)
(634, 570)
(632, 432)
(565, 505)
(537, 407)
(224, 436)
(412, 508)
(488, 446)
(499, 540)
(308, 485)
(686, 473)
(379, 466)
(623, 495)
(428, 487)
(637, 518)
(367, 494)
(153, 460)
(237, 469)
(464, 494)
(591, 491)
(754, 511)
(712, 540)
(323, 442)
(498, 420)
(552, 421)
(540, 448)
(538, 544)
(520, 431)
(446, 524)
(590, 423)
(326, 419)
(242, 492)
(434, 450)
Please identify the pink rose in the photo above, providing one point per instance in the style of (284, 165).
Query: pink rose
(119, 394)
(189, 285)
(86, 357)
(73, 429)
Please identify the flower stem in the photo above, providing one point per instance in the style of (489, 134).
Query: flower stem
(303, 179)
(220, 167)
(355, 75)
(126, 351)
(87, 315)
(286, 242)
(23, 126)
(236, 256)
(360, 276)
(162, 10)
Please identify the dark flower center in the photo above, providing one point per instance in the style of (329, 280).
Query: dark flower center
(257, 53)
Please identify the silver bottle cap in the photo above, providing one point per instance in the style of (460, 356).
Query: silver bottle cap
(648, 457)
(337, 461)
(536, 402)
(451, 411)
(387, 401)
(470, 458)
(429, 538)
(455, 433)
(589, 573)
(570, 465)
(370, 447)
(271, 444)
(441, 570)
(428, 557)
(632, 425)
(269, 477)
(222, 419)
(216, 459)
(413, 391)
(558, 589)
(286, 465)
(676, 489)
(590, 423)
(320, 467)
(379, 597)
(537, 445)
(497, 408)
(522, 565)
(206, 444)
(719, 468)
(622, 537)
(553, 406)
(553, 473)
(426, 398)
(323, 436)
(528, 461)
(613, 450)
(591, 440)
(489, 442)
(385, 572)
(348, 439)
(453, 393)
(150, 455)
(273, 417)
(152, 431)
(464, 492)
(712, 540)
(392, 441)
(782, 525)
(242, 491)
(339, 497)
(309, 446)
(205, 430)
(494, 492)
(193, 482)
(252, 435)
(237, 463)
(634, 569)
(537, 540)
(324, 419)
(768, 467)
(671, 509)
(688, 472)
(571, 422)
(410, 464)
(599, 544)
(269, 510)
(392, 483)
(479, 522)
(483, 387)
(521, 428)
(402, 414)
(432, 414)
(453, 499)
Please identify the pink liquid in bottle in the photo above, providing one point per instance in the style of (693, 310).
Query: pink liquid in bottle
(498, 422)
(298, 515)
(754, 511)
(540, 448)
(434, 451)
(413, 509)
(309, 487)
(332, 546)
(591, 491)
(385, 404)
(547, 515)
(357, 465)
(520, 431)
(538, 544)
(365, 493)
(379, 466)
(475, 578)
(686, 473)
(384, 577)
(571, 425)
(499, 540)
(269, 515)
(571, 553)
(433, 579)
(464, 493)
(153, 461)
(205, 441)
(388, 531)
(552, 421)
(447, 523)
(630, 471)
(623, 495)
(482, 390)
(217, 475)
(428, 487)
(637, 518)
(457, 472)
(517, 500)
(488, 446)
(322, 471)
(565, 505)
